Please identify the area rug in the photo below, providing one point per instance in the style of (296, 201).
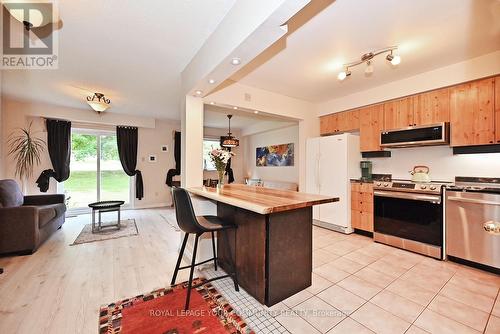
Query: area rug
(162, 312)
(128, 228)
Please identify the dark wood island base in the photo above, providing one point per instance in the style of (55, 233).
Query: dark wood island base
(273, 251)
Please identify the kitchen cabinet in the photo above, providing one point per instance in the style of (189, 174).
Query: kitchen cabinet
(371, 123)
(431, 107)
(497, 110)
(398, 114)
(362, 206)
(472, 113)
(345, 121)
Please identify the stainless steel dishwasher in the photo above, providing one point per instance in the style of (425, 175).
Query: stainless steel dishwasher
(473, 222)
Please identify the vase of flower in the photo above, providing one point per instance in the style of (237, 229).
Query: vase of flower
(220, 157)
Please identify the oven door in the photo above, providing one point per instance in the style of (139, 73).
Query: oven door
(410, 216)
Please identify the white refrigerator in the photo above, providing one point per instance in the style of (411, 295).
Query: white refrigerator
(331, 162)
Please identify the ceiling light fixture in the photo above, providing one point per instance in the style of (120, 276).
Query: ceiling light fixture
(369, 68)
(344, 74)
(256, 112)
(229, 140)
(211, 81)
(236, 61)
(212, 103)
(98, 102)
(235, 108)
(367, 59)
(198, 92)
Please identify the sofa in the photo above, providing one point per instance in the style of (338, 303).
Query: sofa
(27, 221)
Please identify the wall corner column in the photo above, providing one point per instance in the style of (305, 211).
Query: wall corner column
(192, 142)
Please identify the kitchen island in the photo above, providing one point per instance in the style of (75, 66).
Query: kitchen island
(273, 241)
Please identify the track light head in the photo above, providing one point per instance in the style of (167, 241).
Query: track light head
(344, 74)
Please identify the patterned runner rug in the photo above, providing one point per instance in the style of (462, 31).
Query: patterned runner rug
(162, 312)
(128, 228)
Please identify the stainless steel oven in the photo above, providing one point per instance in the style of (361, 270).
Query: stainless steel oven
(410, 216)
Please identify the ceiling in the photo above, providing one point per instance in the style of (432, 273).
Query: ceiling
(132, 53)
(430, 34)
(245, 120)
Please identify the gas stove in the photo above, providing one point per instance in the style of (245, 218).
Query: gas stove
(433, 187)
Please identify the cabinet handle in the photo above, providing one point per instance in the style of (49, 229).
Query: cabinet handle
(491, 141)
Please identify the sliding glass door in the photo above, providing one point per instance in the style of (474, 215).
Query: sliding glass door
(96, 171)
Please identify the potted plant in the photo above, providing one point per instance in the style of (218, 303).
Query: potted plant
(220, 157)
(26, 150)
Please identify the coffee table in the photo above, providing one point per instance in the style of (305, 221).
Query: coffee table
(105, 206)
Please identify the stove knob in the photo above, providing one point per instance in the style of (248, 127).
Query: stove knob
(423, 187)
(433, 187)
(386, 184)
(379, 184)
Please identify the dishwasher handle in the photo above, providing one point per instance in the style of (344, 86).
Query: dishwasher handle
(472, 200)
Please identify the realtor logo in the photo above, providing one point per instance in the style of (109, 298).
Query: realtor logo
(29, 35)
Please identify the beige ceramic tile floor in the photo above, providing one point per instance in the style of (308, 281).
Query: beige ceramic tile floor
(363, 287)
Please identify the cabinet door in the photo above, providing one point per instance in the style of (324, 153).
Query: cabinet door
(398, 114)
(371, 123)
(432, 107)
(328, 124)
(472, 114)
(497, 110)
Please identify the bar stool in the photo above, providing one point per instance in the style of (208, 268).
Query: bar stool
(189, 223)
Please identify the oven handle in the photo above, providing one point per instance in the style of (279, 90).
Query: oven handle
(472, 200)
(410, 196)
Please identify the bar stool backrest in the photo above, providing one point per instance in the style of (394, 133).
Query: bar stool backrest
(184, 213)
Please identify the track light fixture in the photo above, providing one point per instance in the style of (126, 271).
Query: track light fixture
(367, 59)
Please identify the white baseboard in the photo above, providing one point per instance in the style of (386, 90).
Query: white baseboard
(149, 206)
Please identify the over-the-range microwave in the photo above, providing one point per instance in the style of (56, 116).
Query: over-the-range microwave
(421, 135)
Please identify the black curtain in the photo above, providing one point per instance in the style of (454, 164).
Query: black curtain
(59, 147)
(177, 156)
(229, 170)
(126, 137)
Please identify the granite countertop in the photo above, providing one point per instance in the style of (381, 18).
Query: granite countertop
(375, 177)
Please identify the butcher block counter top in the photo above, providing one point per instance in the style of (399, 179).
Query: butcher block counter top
(261, 200)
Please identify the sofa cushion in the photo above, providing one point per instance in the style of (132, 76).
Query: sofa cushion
(10, 194)
(47, 213)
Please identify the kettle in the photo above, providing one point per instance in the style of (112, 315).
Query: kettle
(420, 174)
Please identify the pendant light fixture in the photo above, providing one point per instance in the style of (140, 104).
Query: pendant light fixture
(229, 140)
(98, 102)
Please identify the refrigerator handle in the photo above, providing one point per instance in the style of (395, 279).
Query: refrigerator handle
(318, 183)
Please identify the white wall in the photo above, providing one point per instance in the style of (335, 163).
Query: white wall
(302, 111)
(444, 166)
(237, 163)
(17, 114)
(280, 136)
(468, 70)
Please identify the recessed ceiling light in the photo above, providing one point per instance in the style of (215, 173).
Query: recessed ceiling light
(236, 61)
(198, 92)
(235, 108)
(211, 81)
(212, 103)
(256, 112)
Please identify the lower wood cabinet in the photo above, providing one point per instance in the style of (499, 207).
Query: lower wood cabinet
(362, 206)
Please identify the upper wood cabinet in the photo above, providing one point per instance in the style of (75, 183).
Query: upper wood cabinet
(398, 113)
(472, 113)
(339, 122)
(497, 110)
(371, 123)
(431, 107)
